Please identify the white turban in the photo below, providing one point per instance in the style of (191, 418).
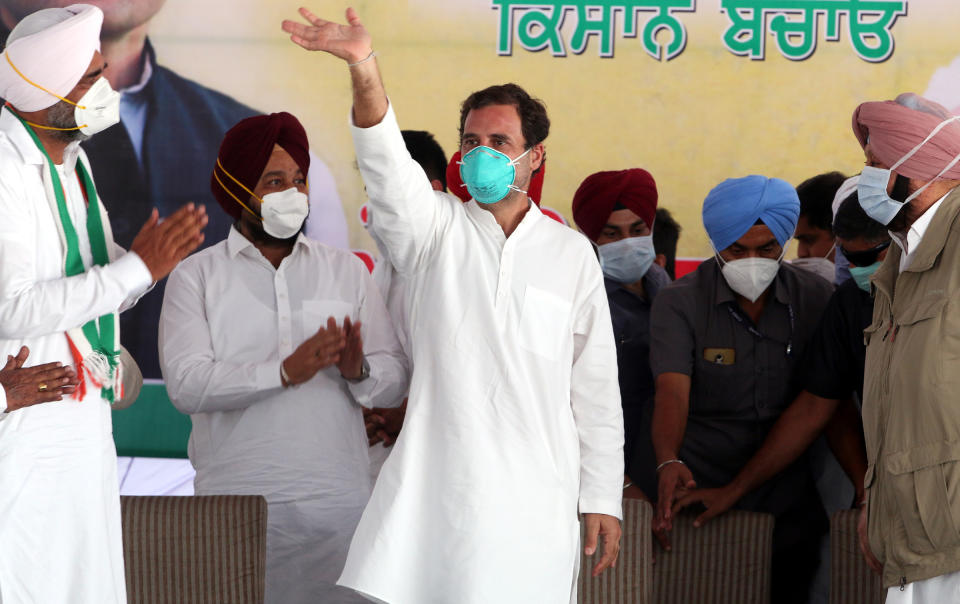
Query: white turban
(849, 186)
(52, 48)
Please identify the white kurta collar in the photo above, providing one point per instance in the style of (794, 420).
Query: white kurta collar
(487, 223)
(237, 243)
(23, 143)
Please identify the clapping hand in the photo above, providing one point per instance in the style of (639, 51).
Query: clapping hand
(319, 351)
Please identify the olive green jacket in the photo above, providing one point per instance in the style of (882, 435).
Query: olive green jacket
(911, 406)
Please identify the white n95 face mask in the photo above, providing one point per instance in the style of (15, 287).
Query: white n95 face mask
(627, 260)
(283, 213)
(98, 108)
(750, 277)
(823, 267)
(819, 265)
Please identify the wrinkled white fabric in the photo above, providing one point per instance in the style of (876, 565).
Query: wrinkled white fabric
(936, 590)
(55, 53)
(228, 319)
(59, 506)
(514, 412)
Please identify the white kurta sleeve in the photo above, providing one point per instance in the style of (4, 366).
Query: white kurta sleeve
(411, 216)
(31, 308)
(117, 252)
(3, 403)
(198, 382)
(595, 398)
(389, 377)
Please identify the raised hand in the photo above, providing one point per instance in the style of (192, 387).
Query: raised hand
(319, 351)
(162, 245)
(351, 357)
(32, 385)
(350, 42)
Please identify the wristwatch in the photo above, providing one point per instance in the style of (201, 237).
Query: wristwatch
(364, 373)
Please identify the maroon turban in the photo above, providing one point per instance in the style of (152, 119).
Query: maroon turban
(896, 127)
(244, 153)
(600, 193)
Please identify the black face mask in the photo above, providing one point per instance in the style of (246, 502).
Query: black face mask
(900, 192)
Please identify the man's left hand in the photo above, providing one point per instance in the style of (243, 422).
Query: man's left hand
(609, 528)
(717, 501)
(351, 357)
(26, 386)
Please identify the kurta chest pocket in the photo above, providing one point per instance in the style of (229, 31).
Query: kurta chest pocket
(544, 323)
(316, 312)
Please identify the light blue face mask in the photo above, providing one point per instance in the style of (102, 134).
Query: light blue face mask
(489, 174)
(628, 260)
(872, 187)
(862, 274)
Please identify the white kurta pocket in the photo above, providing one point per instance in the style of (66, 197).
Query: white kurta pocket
(316, 313)
(544, 323)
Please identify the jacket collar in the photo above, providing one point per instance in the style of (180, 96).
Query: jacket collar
(935, 237)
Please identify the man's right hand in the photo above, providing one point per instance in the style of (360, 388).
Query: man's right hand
(32, 385)
(674, 481)
(349, 42)
(317, 352)
(162, 245)
(864, 540)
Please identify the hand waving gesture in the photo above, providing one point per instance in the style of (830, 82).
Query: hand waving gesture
(349, 42)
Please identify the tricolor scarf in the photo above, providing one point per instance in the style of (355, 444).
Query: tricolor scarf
(95, 345)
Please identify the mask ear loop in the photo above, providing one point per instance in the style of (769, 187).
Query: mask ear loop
(242, 186)
(35, 85)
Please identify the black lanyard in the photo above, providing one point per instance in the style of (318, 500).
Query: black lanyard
(735, 313)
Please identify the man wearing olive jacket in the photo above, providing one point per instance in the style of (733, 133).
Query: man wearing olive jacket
(911, 418)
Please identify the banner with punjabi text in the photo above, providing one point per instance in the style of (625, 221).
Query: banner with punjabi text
(695, 91)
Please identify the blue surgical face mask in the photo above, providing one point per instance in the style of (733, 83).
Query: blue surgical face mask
(628, 260)
(862, 274)
(489, 174)
(872, 187)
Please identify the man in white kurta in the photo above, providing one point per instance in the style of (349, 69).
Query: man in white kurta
(231, 319)
(514, 416)
(59, 506)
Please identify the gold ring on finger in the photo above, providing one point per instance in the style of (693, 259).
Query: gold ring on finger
(42, 387)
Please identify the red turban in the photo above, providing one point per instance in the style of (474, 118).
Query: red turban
(896, 127)
(600, 193)
(456, 186)
(244, 153)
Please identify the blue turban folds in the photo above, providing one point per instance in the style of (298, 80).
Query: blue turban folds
(735, 205)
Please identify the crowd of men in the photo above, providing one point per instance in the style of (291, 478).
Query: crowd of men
(515, 373)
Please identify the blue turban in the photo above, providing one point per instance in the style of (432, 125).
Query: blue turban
(735, 205)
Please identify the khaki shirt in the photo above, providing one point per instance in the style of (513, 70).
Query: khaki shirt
(911, 411)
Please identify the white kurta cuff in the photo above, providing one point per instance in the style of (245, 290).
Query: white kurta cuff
(371, 138)
(268, 375)
(601, 506)
(134, 273)
(3, 403)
